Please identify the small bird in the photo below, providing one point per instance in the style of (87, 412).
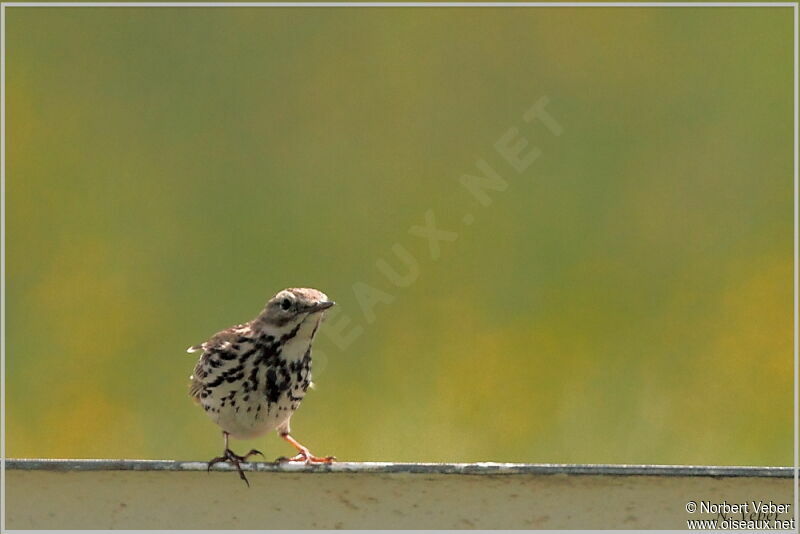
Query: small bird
(251, 377)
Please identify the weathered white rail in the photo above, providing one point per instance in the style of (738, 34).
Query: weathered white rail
(144, 494)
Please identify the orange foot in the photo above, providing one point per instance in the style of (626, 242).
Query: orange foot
(307, 458)
(303, 454)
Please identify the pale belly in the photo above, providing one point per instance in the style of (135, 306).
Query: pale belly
(252, 419)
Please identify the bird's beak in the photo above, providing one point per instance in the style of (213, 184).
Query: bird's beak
(319, 306)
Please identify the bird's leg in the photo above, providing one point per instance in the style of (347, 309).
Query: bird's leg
(304, 455)
(233, 458)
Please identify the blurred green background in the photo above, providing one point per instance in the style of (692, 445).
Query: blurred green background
(628, 298)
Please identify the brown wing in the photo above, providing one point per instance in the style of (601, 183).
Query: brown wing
(217, 343)
(220, 338)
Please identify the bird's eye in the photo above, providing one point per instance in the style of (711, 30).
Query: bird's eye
(286, 304)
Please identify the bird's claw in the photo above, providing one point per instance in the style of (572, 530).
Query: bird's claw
(307, 458)
(235, 460)
(254, 452)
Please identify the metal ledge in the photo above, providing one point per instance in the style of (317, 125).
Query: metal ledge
(161, 494)
(481, 468)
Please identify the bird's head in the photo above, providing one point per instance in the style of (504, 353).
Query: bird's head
(293, 305)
